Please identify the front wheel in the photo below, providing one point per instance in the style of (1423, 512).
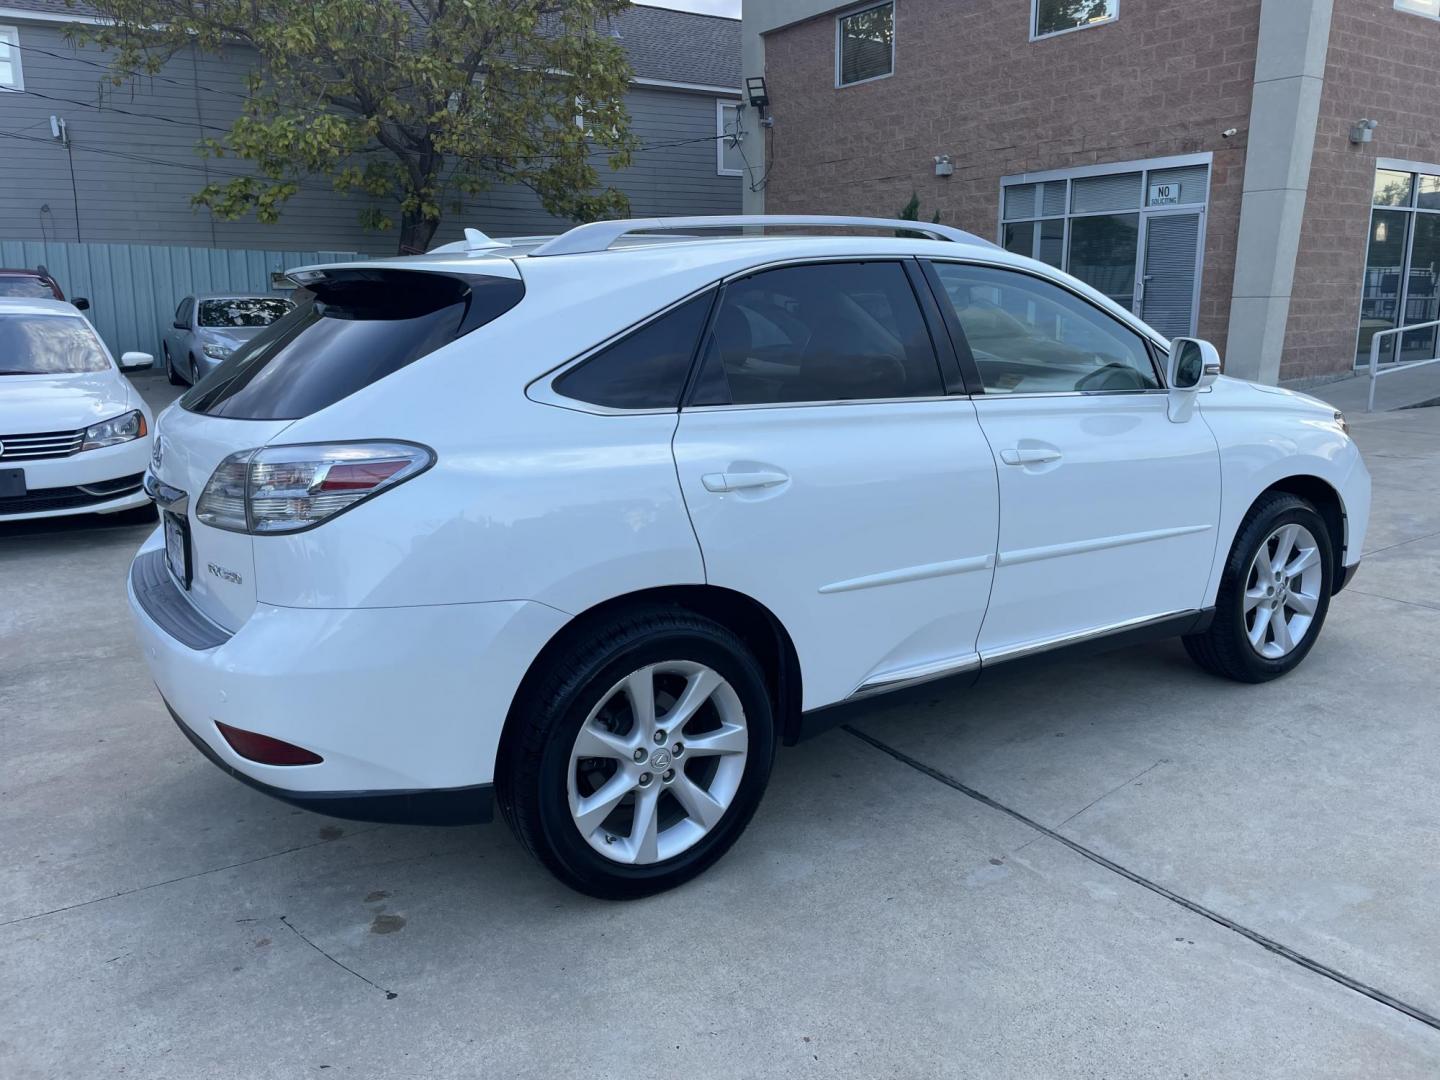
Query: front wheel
(1273, 596)
(638, 758)
(171, 376)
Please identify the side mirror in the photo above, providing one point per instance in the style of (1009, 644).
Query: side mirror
(136, 361)
(1193, 365)
(178, 325)
(81, 304)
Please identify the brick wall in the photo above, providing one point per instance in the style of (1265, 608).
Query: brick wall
(1166, 78)
(1382, 64)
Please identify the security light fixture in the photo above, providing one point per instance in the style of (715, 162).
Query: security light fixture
(944, 165)
(755, 91)
(1363, 131)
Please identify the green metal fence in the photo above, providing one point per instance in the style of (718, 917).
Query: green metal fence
(133, 289)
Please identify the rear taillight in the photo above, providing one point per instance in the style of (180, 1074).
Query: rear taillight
(283, 489)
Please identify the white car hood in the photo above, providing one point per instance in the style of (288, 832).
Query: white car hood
(35, 403)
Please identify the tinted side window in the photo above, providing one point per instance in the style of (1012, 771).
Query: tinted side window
(360, 326)
(828, 332)
(1031, 337)
(645, 369)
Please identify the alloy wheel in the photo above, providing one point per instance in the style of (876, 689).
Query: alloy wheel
(658, 762)
(1282, 591)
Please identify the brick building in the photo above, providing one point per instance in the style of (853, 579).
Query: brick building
(1263, 173)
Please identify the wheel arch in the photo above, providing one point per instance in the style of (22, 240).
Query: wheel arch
(1328, 503)
(750, 620)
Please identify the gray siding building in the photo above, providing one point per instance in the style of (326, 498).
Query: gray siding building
(127, 167)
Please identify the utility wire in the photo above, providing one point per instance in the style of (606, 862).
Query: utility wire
(124, 112)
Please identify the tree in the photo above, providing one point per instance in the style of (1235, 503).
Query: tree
(911, 212)
(417, 103)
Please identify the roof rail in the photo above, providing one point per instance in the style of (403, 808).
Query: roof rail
(599, 235)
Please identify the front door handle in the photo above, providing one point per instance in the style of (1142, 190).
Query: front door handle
(1029, 455)
(739, 481)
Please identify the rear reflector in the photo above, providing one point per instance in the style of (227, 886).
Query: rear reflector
(264, 749)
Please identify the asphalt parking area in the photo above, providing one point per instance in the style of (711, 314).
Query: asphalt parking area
(158, 919)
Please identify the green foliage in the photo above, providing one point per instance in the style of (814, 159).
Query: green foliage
(415, 102)
(911, 212)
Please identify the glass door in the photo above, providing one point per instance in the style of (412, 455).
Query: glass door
(1168, 288)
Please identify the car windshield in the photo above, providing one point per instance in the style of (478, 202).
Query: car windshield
(49, 345)
(243, 311)
(24, 285)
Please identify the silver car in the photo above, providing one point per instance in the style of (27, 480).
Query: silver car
(207, 329)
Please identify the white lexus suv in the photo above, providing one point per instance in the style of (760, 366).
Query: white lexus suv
(586, 526)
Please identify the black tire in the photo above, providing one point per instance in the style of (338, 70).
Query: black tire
(171, 376)
(533, 770)
(1225, 649)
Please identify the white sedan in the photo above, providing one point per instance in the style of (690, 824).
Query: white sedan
(584, 528)
(74, 434)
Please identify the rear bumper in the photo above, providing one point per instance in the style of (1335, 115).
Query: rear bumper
(404, 705)
(474, 805)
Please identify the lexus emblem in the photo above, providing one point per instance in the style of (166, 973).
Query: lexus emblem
(157, 454)
(2, 449)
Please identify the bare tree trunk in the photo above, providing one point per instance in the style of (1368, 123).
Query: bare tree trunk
(416, 232)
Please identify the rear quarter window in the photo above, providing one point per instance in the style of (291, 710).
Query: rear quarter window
(359, 326)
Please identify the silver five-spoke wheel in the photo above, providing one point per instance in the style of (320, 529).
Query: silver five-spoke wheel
(1282, 591)
(657, 762)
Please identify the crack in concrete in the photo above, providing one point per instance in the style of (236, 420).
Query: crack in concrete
(1266, 943)
(183, 877)
(390, 995)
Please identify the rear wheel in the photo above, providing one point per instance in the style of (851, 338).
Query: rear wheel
(638, 759)
(1274, 595)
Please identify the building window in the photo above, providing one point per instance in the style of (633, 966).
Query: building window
(1428, 8)
(730, 137)
(1133, 231)
(865, 44)
(10, 78)
(1048, 17)
(1402, 263)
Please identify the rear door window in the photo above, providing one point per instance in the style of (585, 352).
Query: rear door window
(359, 326)
(818, 332)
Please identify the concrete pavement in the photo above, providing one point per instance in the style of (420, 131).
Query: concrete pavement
(158, 919)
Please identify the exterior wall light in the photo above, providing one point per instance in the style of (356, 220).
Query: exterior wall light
(943, 165)
(1363, 131)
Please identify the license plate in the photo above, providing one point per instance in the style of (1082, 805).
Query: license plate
(177, 547)
(12, 483)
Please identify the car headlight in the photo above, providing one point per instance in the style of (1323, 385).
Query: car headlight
(118, 429)
(1341, 422)
(216, 352)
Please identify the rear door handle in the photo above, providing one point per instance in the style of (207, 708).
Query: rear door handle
(739, 481)
(1029, 456)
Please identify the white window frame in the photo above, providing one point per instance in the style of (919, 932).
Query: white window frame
(894, 26)
(10, 35)
(721, 104)
(1409, 8)
(1035, 23)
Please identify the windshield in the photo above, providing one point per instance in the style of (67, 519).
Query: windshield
(24, 285)
(243, 311)
(49, 345)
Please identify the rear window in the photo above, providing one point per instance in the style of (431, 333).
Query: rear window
(358, 327)
(243, 311)
(23, 285)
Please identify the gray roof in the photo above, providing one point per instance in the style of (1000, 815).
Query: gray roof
(672, 46)
(681, 46)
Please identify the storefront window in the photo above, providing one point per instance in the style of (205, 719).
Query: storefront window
(1402, 266)
(1133, 230)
